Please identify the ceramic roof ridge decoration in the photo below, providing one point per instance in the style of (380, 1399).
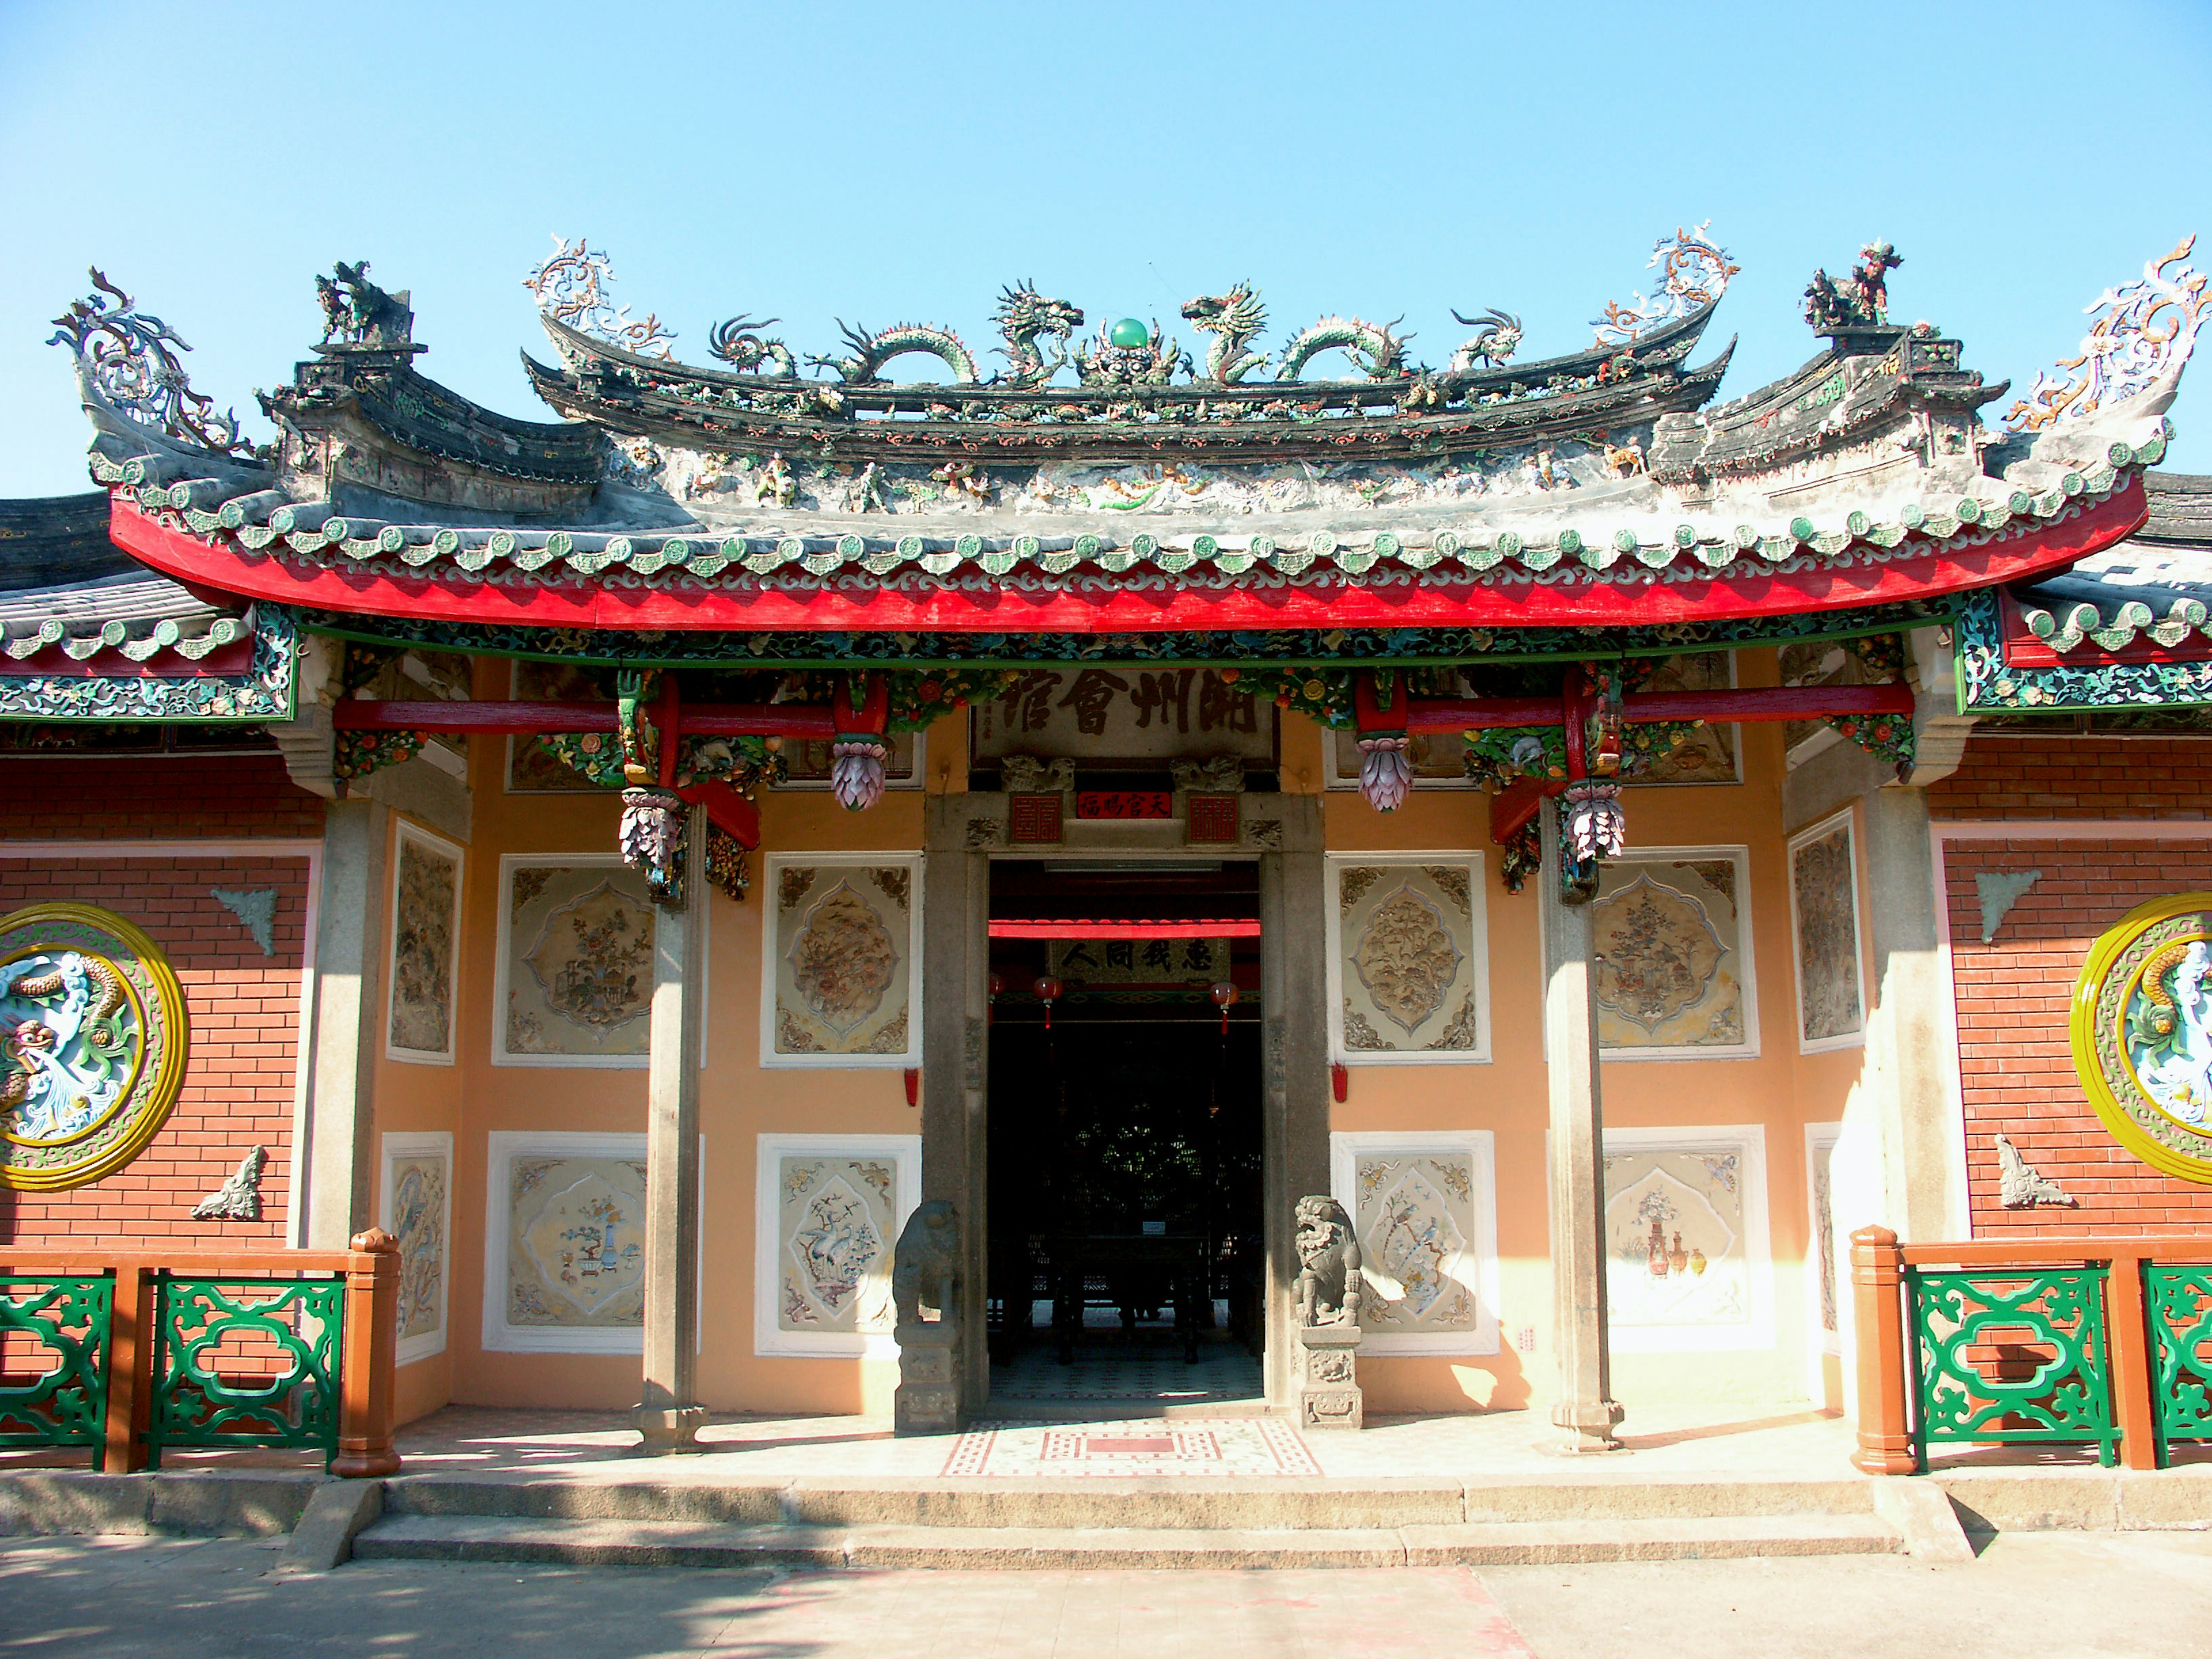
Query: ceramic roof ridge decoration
(389, 495)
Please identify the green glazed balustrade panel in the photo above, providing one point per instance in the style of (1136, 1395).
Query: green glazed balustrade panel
(246, 1361)
(2178, 1300)
(54, 1332)
(2011, 1354)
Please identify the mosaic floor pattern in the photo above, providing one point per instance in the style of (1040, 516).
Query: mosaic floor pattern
(1145, 1448)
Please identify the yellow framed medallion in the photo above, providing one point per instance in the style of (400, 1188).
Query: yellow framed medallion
(2142, 1029)
(93, 1043)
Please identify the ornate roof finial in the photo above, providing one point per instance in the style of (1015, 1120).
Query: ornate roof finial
(357, 312)
(1497, 336)
(572, 288)
(740, 344)
(2145, 332)
(1234, 319)
(1860, 299)
(1024, 317)
(124, 354)
(1696, 274)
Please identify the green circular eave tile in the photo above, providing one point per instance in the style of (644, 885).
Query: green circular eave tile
(1800, 530)
(1321, 544)
(1387, 546)
(1570, 542)
(1913, 516)
(1144, 546)
(1261, 547)
(1858, 524)
(1968, 511)
(1685, 536)
(1026, 547)
(2071, 483)
(1446, 544)
(1204, 547)
(1129, 334)
(2120, 454)
(1086, 547)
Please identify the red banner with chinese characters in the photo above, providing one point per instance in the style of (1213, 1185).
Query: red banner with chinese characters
(1124, 804)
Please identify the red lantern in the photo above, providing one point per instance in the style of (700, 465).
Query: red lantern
(1225, 996)
(1047, 989)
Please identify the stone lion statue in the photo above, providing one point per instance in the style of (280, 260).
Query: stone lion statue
(1328, 1278)
(925, 1265)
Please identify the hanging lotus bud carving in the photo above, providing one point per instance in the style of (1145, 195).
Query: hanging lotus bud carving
(651, 840)
(856, 771)
(1386, 770)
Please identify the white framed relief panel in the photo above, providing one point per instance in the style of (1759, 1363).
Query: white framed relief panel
(1824, 1261)
(1823, 928)
(575, 980)
(827, 1210)
(1688, 1266)
(425, 949)
(416, 1206)
(1424, 1207)
(564, 1244)
(1672, 933)
(1409, 948)
(841, 968)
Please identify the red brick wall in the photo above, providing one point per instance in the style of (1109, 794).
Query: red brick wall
(244, 1011)
(2015, 1061)
(2060, 777)
(93, 798)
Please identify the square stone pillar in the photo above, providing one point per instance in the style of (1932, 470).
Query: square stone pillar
(1295, 1097)
(1585, 1407)
(339, 1156)
(668, 1414)
(955, 978)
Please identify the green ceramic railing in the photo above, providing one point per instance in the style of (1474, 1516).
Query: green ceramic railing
(2179, 1301)
(2009, 1354)
(56, 1330)
(246, 1361)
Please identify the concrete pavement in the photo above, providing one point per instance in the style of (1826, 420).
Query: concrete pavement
(2129, 1595)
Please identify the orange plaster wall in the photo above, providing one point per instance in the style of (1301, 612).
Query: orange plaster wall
(410, 1097)
(1509, 1096)
(739, 1101)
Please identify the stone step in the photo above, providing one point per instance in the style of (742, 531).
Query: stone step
(1250, 1504)
(697, 1544)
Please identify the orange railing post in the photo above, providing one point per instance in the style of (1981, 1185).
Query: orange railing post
(1877, 1274)
(372, 1337)
(130, 1367)
(2127, 1330)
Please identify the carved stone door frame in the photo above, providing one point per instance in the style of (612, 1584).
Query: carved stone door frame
(1283, 835)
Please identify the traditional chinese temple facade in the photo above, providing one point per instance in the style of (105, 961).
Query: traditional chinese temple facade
(1613, 841)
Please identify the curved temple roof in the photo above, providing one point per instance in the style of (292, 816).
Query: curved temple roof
(1152, 493)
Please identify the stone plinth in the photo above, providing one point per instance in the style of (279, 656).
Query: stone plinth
(928, 1398)
(1327, 1385)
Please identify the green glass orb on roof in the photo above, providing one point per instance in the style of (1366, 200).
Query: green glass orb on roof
(1129, 334)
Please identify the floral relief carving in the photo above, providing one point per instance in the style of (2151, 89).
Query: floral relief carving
(1451, 881)
(422, 950)
(1657, 953)
(1360, 1035)
(1405, 958)
(1462, 1033)
(1354, 885)
(1827, 937)
(834, 1225)
(842, 959)
(593, 959)
(897, 882)
(792, 886)
(418, 1221)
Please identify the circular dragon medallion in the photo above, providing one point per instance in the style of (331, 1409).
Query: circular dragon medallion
(2142, 1031)
(93, 1022)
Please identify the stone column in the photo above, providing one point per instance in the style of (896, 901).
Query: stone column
(1909, 1056)
(339, 1156)
(668, 1413)
(1585, 1407)
(1295, 1103)
(956, 908)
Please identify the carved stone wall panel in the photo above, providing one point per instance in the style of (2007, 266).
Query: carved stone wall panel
(416, 1206)
(1673, 936)
(564, 1244)
(1825, 927)
(842, 974)
(1828, 1269)
(828, 1211)
(1424, 1208)
(425, 946)
(1408, 958)
(576, 961)
(1688, 1261)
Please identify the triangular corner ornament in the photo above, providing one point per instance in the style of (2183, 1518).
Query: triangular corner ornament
(256, 910)
(1998, 891)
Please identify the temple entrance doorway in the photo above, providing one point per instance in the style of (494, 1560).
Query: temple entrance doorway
(1125, 1255)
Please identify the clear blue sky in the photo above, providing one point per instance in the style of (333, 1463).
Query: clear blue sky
(887, 162)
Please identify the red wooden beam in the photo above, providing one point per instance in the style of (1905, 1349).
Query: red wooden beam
(1754, 703)
(1916, 571)
(1073, 927)
(523, 719)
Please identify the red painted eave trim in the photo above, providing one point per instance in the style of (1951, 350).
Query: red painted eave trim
(2023, 648)
(1072, 927)
(56, 664)
(1933, 573)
